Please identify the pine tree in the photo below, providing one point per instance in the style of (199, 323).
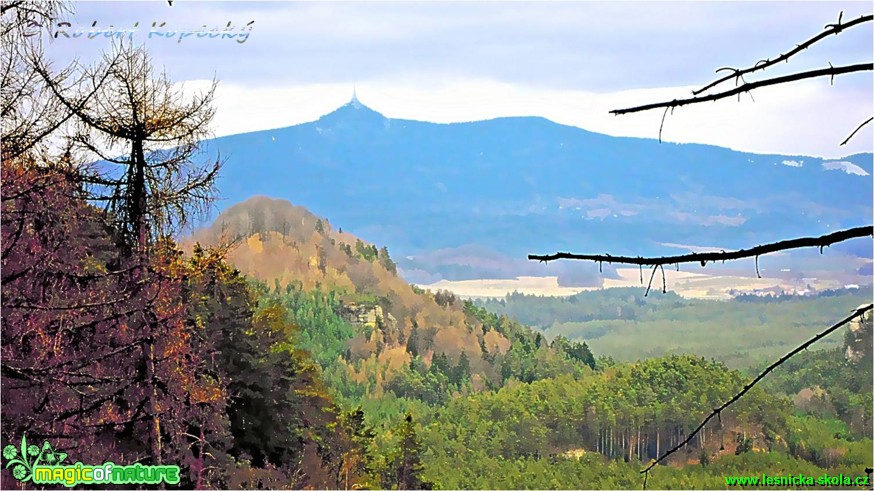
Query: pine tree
(586, 355)
(386, 262)
(407, 463)
(461, 372)
(413, 341)
(348, 447)
(322, 259)
(440, 364)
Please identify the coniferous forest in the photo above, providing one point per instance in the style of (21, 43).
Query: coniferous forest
(273, 350)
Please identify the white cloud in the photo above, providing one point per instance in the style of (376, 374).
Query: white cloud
(709, 220)
(601, 213)
(793, 163)
(594, 46)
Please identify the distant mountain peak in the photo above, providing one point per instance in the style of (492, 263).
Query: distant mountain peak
(354, 110)
(355, 102)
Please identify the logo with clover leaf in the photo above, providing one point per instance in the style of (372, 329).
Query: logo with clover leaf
(45, 465)
(23, 460)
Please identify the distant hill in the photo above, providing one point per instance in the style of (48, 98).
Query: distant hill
(394, 326)
(276, 240)
(470, 200)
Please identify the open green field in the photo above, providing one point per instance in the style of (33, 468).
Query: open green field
(623, 324)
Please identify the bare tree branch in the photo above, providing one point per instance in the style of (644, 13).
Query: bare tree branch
(856, 131)
(761, 65)
(705, 257)
(746, 87)
(10, 5)
(857, 313)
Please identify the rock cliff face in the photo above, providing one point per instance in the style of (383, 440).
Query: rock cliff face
(370, 316)
(858, 340)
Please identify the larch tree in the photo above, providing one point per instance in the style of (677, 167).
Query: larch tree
(142, 124)
(148, 129)
(114, 345)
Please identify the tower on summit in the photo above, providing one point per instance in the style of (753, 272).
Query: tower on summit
(355, 102)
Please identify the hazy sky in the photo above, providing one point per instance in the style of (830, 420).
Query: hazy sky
(570, 62)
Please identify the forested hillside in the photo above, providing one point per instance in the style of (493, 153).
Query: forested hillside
(562, 433)
(514, 408)
(368, 328)
(378, 387)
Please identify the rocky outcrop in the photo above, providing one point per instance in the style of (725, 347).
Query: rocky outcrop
(366, 315)
(858, 339)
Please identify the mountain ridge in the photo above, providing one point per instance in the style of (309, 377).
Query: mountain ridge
(363, 107)
(519, 185)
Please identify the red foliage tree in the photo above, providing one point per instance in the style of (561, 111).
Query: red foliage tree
(73, 315)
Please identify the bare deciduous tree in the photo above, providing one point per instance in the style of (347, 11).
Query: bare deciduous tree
(27, 112)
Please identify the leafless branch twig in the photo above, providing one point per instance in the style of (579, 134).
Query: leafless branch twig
(662, 126)
(761, 65)
(855, 131)
(705, 257)
(793, 77)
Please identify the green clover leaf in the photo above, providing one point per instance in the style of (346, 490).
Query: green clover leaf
(33, 450)
(19, 472)
(10, 452)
